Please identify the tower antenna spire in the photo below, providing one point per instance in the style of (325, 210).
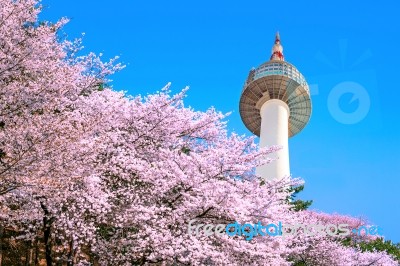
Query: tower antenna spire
(277, 49)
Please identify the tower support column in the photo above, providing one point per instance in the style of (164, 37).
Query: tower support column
(274, 131)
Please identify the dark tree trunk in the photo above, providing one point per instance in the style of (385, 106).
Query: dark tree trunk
(36, 263)
(71, 254)
(47, 221)
(27, 253)
(1, 245)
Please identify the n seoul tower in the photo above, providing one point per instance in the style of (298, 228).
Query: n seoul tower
(275, 104)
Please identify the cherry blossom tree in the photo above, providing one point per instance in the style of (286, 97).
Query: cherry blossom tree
(165, 165)
(44, 151)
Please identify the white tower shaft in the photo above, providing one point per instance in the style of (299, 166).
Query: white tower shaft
(274, 132)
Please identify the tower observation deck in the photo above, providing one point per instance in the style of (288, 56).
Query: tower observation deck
(275, 104)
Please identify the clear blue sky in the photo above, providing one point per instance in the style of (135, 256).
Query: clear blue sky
(350, 167)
